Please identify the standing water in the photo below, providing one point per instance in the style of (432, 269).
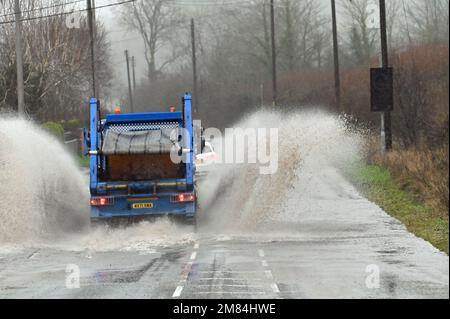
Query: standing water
(44, 195)
(314, 149)
(42, 191)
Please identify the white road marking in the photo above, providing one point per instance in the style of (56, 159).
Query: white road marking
(268, 272)
(231, 285)
(231, 292)
(197, 245)
(275, 288)
(233, 279)
(229, 272)
(177, 292)
(193, 255)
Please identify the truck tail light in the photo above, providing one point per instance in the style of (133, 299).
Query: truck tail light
(182, 198)
(102, 201)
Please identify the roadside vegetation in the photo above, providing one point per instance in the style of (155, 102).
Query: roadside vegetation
(56, 129)
(70, 127)
(419, 216)
(83, 161)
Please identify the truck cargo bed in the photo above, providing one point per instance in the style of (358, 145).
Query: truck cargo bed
(143, 167)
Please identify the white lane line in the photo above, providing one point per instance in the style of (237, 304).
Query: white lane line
(231, 285)
(230, 292)
(230, 279)
(269, 274)
(275, 288)
(230, 272)
(185, 273)
(177, 292)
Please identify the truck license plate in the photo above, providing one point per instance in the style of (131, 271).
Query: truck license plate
(142, 205)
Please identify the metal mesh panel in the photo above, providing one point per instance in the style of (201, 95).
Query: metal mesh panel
(139, 142)
(146, 126)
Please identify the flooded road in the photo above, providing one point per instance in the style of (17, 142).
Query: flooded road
(304, 232)
(349, 248)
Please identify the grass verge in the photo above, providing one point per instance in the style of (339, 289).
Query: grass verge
(378, 185)
(83, 161)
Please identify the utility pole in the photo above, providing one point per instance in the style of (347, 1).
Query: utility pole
(19, 60)
(386, 125)
(133, 65)
(130, 94)
(274, 58)
(337, 79)
(261, 94)
(194, 68)
(94, 19)
(91, 36)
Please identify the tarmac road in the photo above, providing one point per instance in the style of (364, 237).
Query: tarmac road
(338, 245)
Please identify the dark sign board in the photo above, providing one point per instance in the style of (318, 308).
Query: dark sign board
(381, 90)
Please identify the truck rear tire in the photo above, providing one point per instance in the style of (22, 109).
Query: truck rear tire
(192, 221)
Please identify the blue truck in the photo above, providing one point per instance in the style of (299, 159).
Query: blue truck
(142, 164)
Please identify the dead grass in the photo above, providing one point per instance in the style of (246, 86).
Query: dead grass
(423, 172)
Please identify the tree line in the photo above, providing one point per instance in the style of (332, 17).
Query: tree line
(57, 72)
(234, 59)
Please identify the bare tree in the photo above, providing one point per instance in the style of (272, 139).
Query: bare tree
(303, 32)
(157, 23)
(362, 39)
(429, 20)
(56, 60)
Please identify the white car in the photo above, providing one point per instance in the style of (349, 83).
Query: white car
(207, 157)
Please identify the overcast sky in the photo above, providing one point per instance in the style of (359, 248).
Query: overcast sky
(122, 39)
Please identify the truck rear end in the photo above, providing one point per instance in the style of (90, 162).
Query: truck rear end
(142, 164)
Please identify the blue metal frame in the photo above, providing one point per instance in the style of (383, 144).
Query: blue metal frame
(144, 117)
(189, 140)
(166, 189)
(93, 150)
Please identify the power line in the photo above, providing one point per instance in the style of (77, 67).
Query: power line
(69, 12)
(43, 8)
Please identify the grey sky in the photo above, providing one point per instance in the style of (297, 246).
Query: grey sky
(122, 39)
